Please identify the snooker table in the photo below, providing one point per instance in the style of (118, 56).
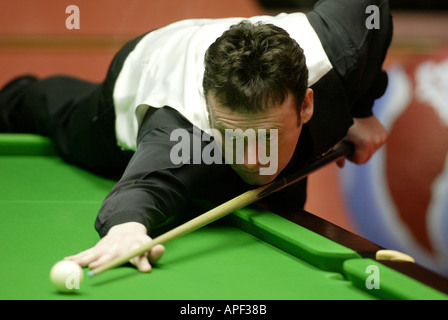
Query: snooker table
(48, 207)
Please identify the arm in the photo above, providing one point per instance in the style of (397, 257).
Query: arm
(152, 192)
(357, 54)
(367, 133)
(147, 195)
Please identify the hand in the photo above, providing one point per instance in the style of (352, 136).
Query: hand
(367, 135)
(119, 240)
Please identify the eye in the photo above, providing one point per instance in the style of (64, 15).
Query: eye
(268, 136)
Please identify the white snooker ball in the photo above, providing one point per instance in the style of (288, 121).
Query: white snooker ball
(66, 276)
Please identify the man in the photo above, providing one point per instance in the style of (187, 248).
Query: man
(301, 82)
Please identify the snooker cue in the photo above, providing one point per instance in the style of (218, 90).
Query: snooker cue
(341, 150)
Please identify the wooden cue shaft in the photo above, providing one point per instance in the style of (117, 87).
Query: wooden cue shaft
(220, 211)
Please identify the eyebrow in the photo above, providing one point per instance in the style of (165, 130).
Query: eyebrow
(268, 130)
(222, 125)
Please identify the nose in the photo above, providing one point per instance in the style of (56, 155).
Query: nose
(251, 161)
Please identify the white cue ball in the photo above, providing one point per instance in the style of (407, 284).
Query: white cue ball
(66, 276)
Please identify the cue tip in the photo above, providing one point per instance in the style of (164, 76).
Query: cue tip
(90, 274)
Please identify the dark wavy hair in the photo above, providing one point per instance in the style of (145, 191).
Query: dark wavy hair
(251, 67)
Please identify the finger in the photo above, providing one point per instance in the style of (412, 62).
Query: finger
(78, 255)
(340, 163)
(361, 155)
(358, 158)
(156, 253)
(83, 258)
(141, 263)
(100, 261)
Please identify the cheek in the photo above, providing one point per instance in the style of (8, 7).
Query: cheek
(287, 148)
(284, 156)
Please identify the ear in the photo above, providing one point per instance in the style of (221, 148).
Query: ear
(307, 107)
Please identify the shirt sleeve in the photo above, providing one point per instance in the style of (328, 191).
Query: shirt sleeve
(153, 190)
(356, 51)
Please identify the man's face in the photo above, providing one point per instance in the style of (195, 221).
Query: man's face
(276, 143)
